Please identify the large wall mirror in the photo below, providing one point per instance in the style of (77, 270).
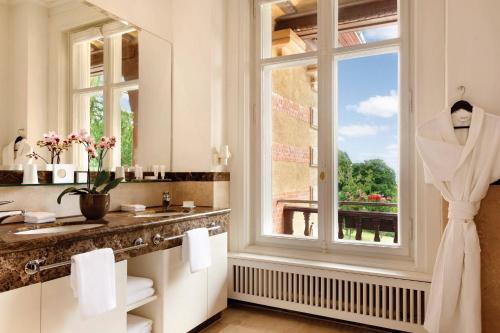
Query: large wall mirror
(71, 67)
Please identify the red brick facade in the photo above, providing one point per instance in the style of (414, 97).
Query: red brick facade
(293, 109)
(287, 153)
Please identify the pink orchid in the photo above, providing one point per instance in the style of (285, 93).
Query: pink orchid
(91, 151)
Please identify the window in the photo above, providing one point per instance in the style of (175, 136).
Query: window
(332, 124)
(105, 88)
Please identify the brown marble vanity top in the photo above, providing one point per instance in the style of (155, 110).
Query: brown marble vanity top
(119, 231)
(112, 223)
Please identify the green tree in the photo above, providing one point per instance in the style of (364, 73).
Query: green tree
(358, 180)
(96, 121)
(376, 176)
(127, 127)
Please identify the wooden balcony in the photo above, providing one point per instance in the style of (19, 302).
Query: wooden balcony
(360, 220)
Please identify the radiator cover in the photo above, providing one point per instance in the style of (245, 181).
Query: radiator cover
(368, 299)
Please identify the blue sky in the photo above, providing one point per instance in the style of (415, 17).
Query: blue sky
(368, 108)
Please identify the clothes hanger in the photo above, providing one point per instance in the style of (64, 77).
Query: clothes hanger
(20, 135)
(461, 105)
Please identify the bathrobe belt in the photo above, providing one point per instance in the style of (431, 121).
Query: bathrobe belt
(462, 211)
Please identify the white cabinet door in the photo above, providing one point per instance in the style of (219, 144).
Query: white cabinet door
(61, 314)
(20, 310)
(217, 275)
(184, 296)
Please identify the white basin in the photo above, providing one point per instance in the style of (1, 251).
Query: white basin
(162, 214)
(58, 229)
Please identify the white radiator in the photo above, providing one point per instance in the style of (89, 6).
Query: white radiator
(373, 300)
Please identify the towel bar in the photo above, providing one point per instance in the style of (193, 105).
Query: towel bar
(35, 266)
(157, 239)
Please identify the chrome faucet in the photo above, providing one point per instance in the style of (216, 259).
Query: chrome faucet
(10, 216)
(166, 200)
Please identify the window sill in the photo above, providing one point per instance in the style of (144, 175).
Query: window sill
(400, 269)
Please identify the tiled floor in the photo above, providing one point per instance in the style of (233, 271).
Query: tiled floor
(243, 319)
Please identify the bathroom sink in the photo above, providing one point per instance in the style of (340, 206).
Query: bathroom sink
(161, 214)
(58, 229)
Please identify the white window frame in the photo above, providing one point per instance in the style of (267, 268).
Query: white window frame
(111, 89)
(325, 57)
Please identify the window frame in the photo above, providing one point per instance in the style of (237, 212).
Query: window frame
(111, 88)
(326, 57)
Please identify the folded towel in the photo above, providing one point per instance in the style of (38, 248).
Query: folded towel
(136, 324)
(136, 283)
(93, 281)
(39, 217)
(139, 295)
(196, 249)
(133, 208)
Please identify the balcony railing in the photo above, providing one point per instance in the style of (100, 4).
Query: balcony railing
(375, 222)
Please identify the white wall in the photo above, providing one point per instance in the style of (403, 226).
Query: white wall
(3, 71)
(428, 73)
(473, 52)
(155, 87)
(199, 82)
(27, 70)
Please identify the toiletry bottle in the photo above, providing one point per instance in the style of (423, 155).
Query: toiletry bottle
(166, 200)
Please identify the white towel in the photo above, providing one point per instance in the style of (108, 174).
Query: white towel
(93, 281)
(136, 283)
(39, 217)
(133, 208)
(136, 324)
(196, 249)
(139, 295)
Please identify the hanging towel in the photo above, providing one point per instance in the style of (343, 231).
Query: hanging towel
(139, 295)
(196, 249)
(136, 324)
(136, 283)
(93, 281)
(39, 217)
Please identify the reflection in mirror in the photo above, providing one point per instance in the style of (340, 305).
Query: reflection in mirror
(83, 71)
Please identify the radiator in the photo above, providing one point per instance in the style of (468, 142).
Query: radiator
(373, 300)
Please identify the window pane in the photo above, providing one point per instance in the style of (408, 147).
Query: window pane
(367, 148)
(96, 114)
(129, 103)
(362, 22)
(294, 153)
(129, 57)
(289, 27)
(88, 64)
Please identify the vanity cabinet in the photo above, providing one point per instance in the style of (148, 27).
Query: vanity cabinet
(60, 311)
(20, 310)
(186, 299)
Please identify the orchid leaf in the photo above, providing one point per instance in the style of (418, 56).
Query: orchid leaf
(66, 191)
(111, 185)
(101, 179)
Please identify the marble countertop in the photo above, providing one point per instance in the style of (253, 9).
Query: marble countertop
(113, 222)
(119, 231)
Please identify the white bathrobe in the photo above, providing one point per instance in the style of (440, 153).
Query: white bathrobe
(462, 172)
(17, 153)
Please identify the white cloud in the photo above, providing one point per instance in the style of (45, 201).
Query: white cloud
(380, 106)
(356, 131)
